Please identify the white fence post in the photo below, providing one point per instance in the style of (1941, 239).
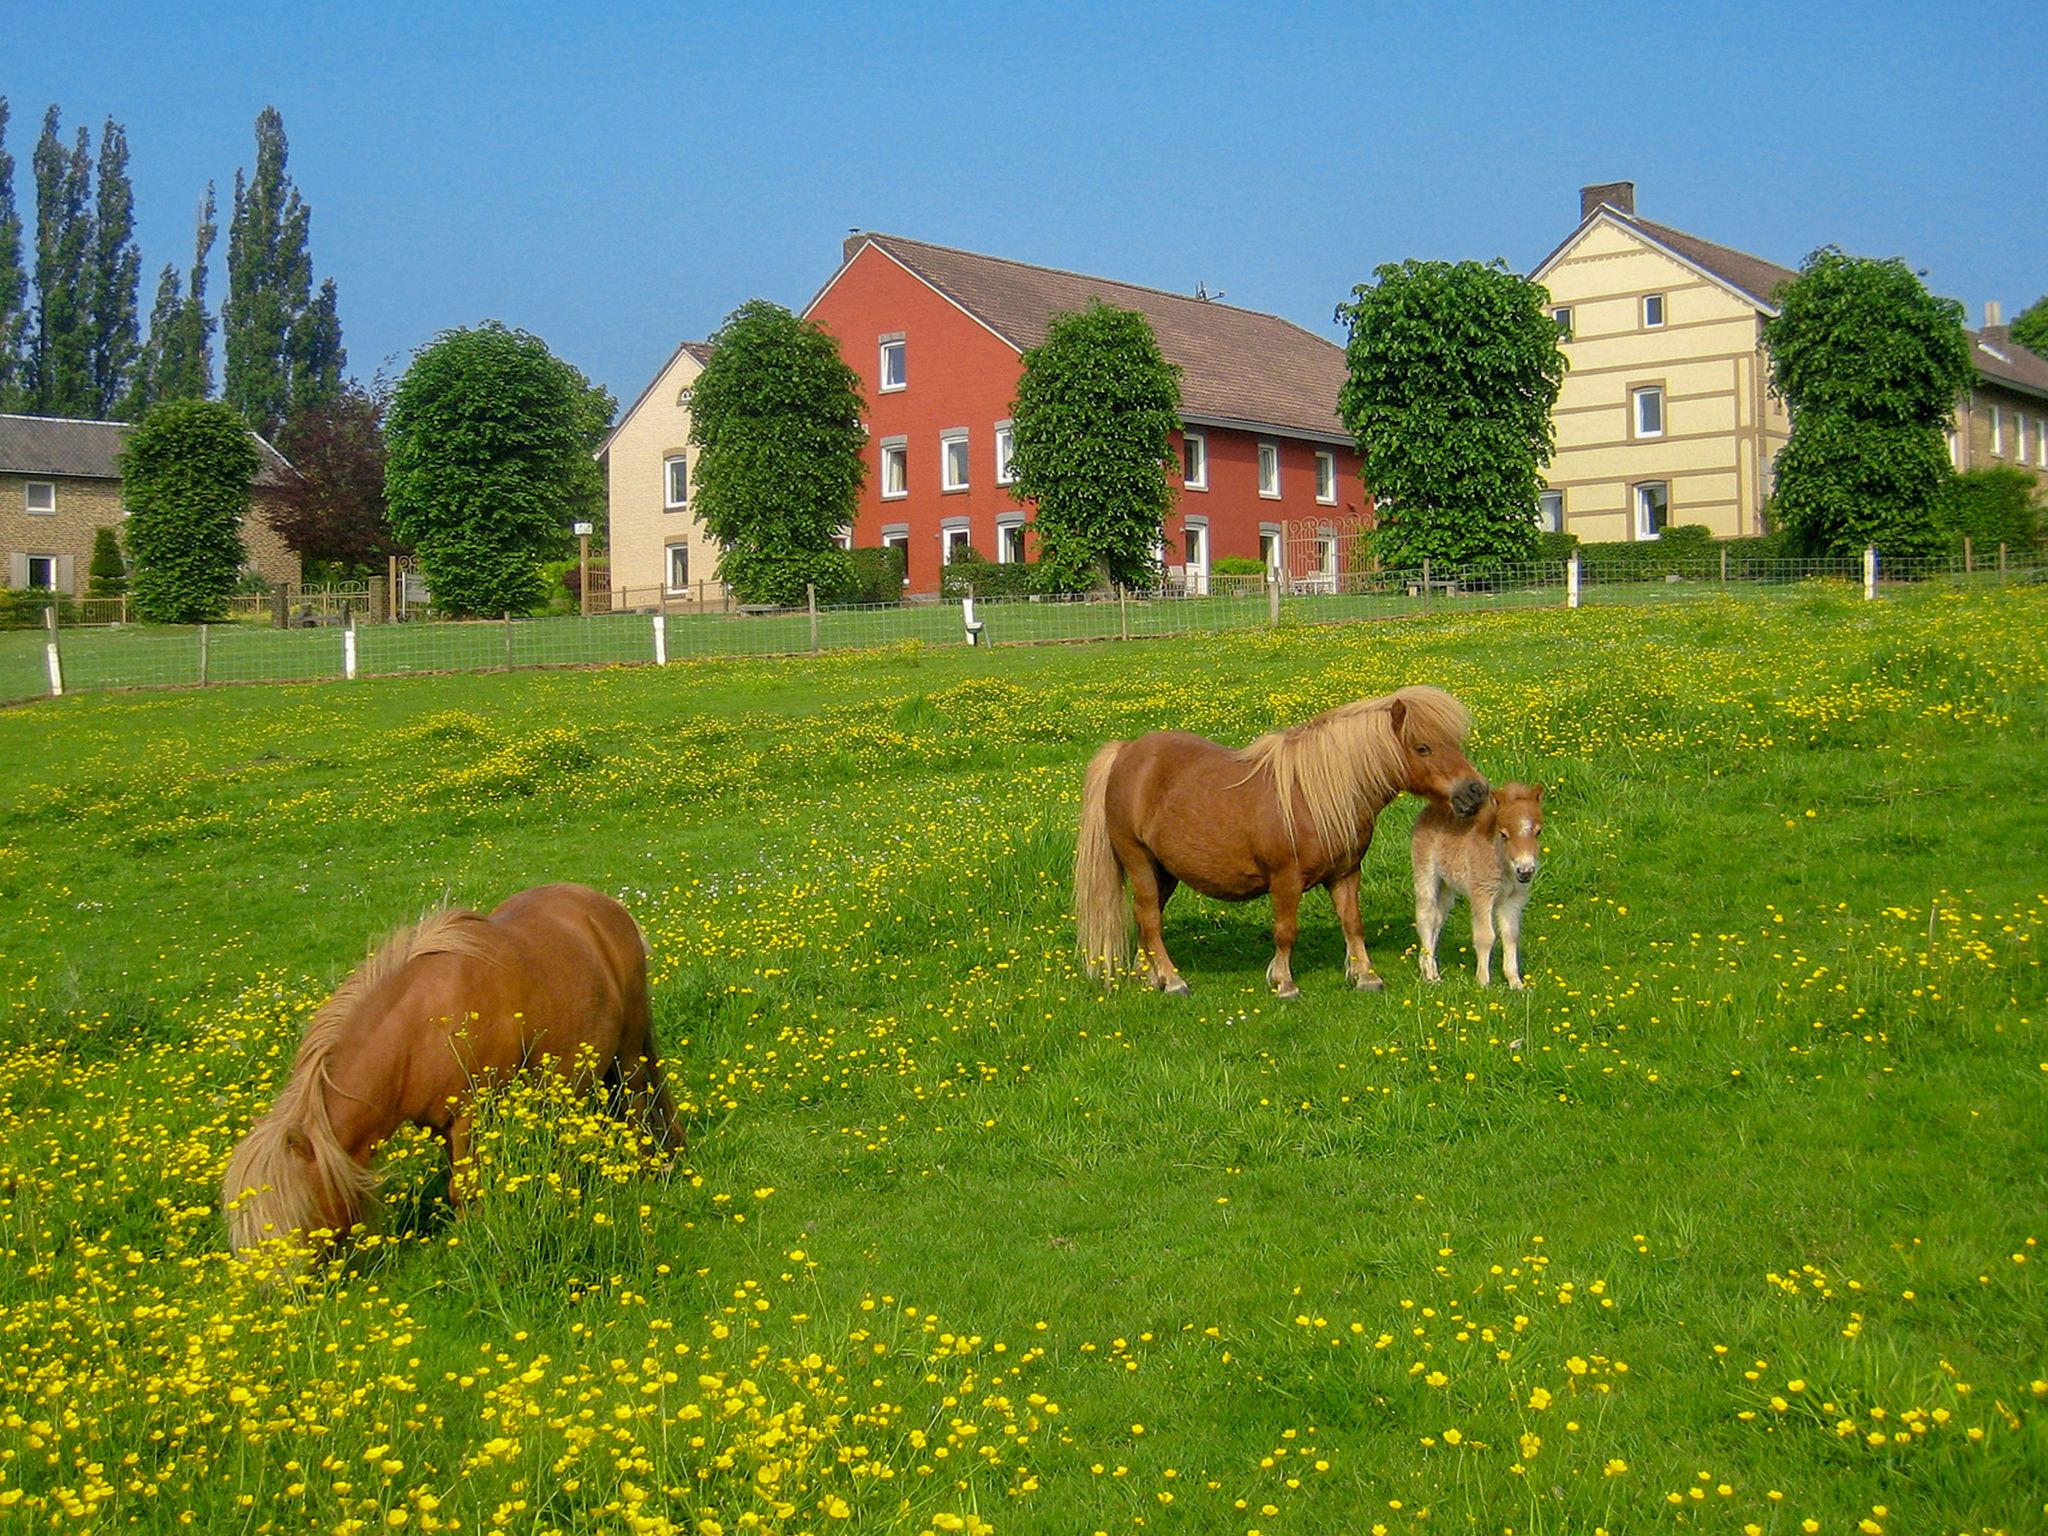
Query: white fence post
(348, 647)
(661, 639)
(1869, 573)
(1571, 581)
(50, 653)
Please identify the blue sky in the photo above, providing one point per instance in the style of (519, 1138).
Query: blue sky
(620, 179)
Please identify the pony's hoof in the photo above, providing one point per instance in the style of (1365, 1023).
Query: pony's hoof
(1177, 988)
(1370, 982)
(1288, 993)
(1518, 985)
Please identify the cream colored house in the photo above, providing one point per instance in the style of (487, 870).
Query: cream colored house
(1666, 415)
(659, 553)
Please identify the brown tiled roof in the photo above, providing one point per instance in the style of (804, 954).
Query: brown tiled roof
(1236, 364)
(2002, 360)
(1750, 275)
(700, 350)
(91, 450)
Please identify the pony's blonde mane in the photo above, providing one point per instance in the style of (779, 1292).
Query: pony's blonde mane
(1348, 758)
(268, 1190)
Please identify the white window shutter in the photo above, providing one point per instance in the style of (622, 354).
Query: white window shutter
(17, 571)
(66, 581)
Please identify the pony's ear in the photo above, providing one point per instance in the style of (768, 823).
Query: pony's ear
(301, 1148)
(1539, 792)
(1397, 716)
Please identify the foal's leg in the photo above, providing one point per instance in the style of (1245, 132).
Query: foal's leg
(1286, 914)
(1357, 963)
(1482, 933)
(1150, 887)
(1432, 905)
(1511, 941)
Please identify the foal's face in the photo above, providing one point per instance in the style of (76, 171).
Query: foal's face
(1518, 829)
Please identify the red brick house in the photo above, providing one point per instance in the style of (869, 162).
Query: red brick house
(936, 336)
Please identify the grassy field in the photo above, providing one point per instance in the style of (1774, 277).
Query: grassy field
(1729, 1224)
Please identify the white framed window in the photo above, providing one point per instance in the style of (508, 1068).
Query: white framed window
(675, 481)
(42, 573)
(1269, 469)
(1326, 556)
(953, 538)
(1010, 540)
(895, 468)
(1653, 311)
(1647, 410)
(894, 365)
(897, 536)
(953, 459)
(1326, 478)
(1194, 461)
(1194, 544)
(40, 497)
(679, 567)
(1270, 547)
(1006, 446)
(1997, 433)
(1653, 508)
(1550, 512)
(1561, 317)
(2041, 441)
(1955, 449)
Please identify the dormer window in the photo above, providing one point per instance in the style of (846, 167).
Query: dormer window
(894, 371)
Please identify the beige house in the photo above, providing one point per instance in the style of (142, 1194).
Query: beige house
(1667, 417)
(659, 554)
(60, 483)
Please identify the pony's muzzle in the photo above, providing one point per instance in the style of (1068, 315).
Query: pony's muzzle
(1525, 870)
(1469, 796)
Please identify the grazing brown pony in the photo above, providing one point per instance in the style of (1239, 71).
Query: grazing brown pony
(457, 1004)
(1292, 810)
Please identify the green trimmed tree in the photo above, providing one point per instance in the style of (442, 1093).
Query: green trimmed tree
(1999, 505)
(1869, 364)
(107, 576)
(14, 338)
(488, 462)
(775, 419)
(1092, 448)
(2030, 326)
(1452, 370)
(185, 475)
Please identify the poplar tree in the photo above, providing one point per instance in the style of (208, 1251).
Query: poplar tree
(177, 360)
(13, 286)
(62, 356)
(270, 282)
(116, 274)
(317, 356)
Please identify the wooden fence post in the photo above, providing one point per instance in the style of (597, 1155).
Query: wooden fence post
(1969, 556)
(1869, 573)
(1425, 586)
(349, 665)
(202, 655)
(1571, 580)
(508, 642)
(280, 607)
(660, 638)
(1724, 565)
(1272, 598)
(1123, 612)
(2001, 559)
(50, 654)
(811, 603)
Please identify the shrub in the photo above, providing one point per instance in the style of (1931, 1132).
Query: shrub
(107, 576)
(1556, 546)
(1237, 565)
(185, 473)
(23, 607)
(1991, 507)
(875, 575)
(985, 578)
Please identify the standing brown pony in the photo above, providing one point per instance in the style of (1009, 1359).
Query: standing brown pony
(457, 1004)
(1292, 810)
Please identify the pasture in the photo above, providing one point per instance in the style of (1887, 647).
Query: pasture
(1731, 1223)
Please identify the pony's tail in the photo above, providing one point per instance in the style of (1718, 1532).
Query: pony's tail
(1101, 918)
(291, 1175)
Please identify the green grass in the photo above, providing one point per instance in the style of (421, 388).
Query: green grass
(1775, 1109)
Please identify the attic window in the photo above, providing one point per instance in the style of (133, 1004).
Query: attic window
(40, 497)
(684, 397)
(1561, 317)
(1653, 311)
(894, 374)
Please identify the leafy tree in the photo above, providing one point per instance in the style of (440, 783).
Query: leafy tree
(1992, 507)
(14, 340)
(1096, 408)
(281, 341)
(116, 272)
(2029, 326)
(488, 442)
(177, 359)
(1453, 369)
(62, 356)
(107, 576)
(336, 514)
(776, 419)
(1869, 364)
(185, 474)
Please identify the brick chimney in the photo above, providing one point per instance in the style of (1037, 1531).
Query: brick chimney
(1994, 321)
(1618, 195)
(854, 240)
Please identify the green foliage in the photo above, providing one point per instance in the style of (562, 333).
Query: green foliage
(116, 271)
(336, 514)
(1452, 371)
(14, 359)
(1994, 506)
(23, 607)
(1096, 409)
(62, 355)
(283, 345)
(1869, 364)
(107, 576)
(985, 578)
(2030, 327)
(875, 575)
(185, 474)
(1237, 565)
(1556, 545)
(177, 358)
(776, 419)
(488, 442)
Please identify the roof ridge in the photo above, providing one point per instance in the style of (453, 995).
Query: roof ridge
(74, 421)
(1091, 277)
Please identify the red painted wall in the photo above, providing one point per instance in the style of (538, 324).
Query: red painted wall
(960, 374)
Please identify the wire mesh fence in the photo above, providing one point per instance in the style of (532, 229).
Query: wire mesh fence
(78, 657)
